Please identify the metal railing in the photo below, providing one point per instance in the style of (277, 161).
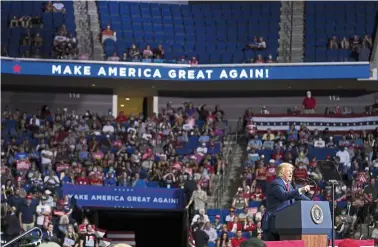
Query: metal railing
(225, 176)
(23, 235)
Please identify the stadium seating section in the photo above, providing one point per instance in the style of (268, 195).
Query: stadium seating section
(10, 37)
(340, 19)
(215, 33)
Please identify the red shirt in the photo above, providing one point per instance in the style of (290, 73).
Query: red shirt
(309, 103)
(230, 225)
(312, 164)
(274, 156)
(250, 228)
(82, 181)
(300, 173)
(121, 119)
(96, 181)
(236, 242)
(270, 173)
(257, 197)
(261, 173)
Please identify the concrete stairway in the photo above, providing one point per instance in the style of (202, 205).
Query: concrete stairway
(285, 32)
(298, 31)
(83, 35)
(216, 181)
(291, 32)
(236, 170)
(98, 50)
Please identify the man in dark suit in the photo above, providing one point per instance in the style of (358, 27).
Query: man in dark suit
(351, 213)
(280, 193)
(13, 228)
(49, 235)
(200, 237)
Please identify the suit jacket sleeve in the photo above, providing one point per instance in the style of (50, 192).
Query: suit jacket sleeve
(279, 192)
(303, 198)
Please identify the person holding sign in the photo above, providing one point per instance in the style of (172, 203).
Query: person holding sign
(89, 239)
(71, 237)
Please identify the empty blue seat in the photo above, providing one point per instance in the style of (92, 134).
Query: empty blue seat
(342, 19)
(189, 28)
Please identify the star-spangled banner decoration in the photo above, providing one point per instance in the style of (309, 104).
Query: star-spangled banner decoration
(333, 123)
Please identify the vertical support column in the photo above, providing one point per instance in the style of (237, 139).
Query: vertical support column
(115, 105)
(155, 104)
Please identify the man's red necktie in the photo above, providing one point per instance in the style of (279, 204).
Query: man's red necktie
(288, 187)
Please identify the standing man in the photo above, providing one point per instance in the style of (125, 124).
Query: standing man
(27, 215)
(199, 197)
(13, 227)
(201, 239)
(280, 193)
(309, 104)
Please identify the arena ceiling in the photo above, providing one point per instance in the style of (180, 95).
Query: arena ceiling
(150, 88)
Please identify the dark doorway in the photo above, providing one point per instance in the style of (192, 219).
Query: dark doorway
(150, 227)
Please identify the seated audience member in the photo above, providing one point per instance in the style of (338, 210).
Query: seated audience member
(182, 60)
(264, 110)
(159, 52)
(238, 239)
(125, 57)
(59, 6)
(333, 43)
(239, 201)
(71, 40)
(27, 39)
(147, 52)
(49, 235)
(368, 41)
(193, 61)
(108, 33)
(261, 44)
(234, 226)
(134, 52)
(49, 7)
(345, 44)
(38, 40)
(254, 44)
(259, 59)
(270, 59)
(114, 57)
(223, 241)
(211, 232)
(202, 216)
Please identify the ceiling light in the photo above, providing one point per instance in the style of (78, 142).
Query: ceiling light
(93, 85)
(127, 98)
(122, 105)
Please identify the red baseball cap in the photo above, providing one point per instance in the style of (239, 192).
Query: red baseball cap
(348, 243)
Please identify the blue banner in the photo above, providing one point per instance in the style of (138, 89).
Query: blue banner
(122, 197)
(177, 72)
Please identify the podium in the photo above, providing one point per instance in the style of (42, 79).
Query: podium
(309, 221)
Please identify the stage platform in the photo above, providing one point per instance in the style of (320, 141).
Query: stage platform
(300, 243)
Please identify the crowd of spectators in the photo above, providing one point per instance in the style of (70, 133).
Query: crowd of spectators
(361, 48)
(44, 150)
(147, 55)
(28, 39)
(65, 45)
(354, 153)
